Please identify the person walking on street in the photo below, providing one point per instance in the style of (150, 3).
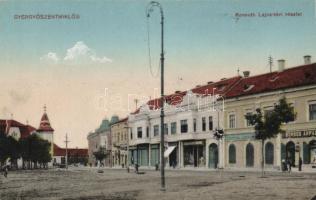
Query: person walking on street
(300, 162)
(289, 165)
(5, 171)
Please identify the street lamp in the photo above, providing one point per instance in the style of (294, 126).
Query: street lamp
(150, 9)
(127, 148)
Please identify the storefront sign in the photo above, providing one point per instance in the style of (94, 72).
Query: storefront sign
(299, 133)
(193, 143)
(240, 137)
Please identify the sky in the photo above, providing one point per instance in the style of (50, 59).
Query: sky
(93, 66)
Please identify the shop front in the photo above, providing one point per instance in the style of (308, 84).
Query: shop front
(154, 154)
(299, 144)
(171, 153)
(194, 153)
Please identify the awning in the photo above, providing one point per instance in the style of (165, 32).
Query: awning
(168, 151)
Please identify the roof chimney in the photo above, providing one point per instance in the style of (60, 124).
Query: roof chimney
(281, 63)
(177, 91)
(307, 59)
(246, 73)
(210, 82)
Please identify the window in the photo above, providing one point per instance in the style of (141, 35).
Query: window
(269, 153)
(210, 123)
(247, 121)
(173, 127)
(232, 121)
(156, 130)
(312, 111)
(147, 131)
(184, 126)
(165, 129)
(194, 125)
(131, 134)
(139, 132)
(203, 124)
(250, 155)
(232, 154)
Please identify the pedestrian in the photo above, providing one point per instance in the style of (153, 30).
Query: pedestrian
(300, 162)
(5, 171)
(284, 167)
(289, 164)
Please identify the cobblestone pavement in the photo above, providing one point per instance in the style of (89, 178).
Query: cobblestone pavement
(88, 184)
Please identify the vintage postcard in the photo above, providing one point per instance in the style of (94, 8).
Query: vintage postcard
(164, 99)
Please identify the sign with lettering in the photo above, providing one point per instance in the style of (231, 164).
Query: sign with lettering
(299, 133)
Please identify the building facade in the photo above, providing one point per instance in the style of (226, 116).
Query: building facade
(119, 134)
(298, 86)
(191, 118)
(101, 139)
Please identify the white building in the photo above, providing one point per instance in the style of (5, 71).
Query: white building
(191, 118)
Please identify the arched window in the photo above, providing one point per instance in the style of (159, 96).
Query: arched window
(269, 153)
(232, 154)
(249, 155)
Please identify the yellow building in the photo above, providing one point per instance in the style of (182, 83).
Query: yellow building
(119, 135)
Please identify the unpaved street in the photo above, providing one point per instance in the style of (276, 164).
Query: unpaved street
(84, 184)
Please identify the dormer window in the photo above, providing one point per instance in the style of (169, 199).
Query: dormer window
(248, 87)
(274, 78)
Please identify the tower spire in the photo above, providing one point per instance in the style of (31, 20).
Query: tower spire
(44, 108)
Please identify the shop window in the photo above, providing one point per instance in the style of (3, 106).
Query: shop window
(269, 153)
(184, 126)
(156, 130)
(232, 154)
(139, 132)
(312, 148)
(173, 127)
(203, 124)
(210, 123)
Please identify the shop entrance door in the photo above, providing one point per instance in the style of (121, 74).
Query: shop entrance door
(213, 156)
(290, 152)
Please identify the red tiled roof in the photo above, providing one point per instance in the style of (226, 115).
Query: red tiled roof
(289, 78)
(25, 130)
(239, 86)
(58, 151)
(176, 98)
(45, 124)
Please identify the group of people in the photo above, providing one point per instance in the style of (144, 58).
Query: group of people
(287, 165)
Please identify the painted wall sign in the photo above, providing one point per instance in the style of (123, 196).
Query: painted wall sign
(299, 133)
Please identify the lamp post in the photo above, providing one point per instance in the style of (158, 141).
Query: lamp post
(150, 8)
(127, 149)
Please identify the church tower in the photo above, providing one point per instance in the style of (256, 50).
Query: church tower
(45, 131)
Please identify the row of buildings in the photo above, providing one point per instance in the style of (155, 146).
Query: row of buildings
(192, 116)
(17, 130)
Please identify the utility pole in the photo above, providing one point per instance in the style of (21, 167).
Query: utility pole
(66, 157)
(270, 63)
(150, 8)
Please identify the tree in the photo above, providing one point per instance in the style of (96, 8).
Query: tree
(100, 155)
(14, 151)
(4, 149)
(269, 124)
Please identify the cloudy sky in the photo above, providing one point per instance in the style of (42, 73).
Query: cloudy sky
(93, 66)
